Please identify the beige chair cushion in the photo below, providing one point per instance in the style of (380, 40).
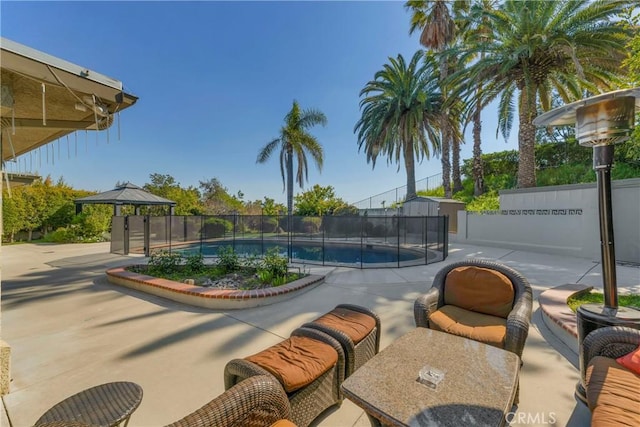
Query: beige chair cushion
(454, 320)
(613, 393)
(297, 361)
(479, 289)
(354, 324)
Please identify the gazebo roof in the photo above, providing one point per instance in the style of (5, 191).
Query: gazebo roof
(127, 194)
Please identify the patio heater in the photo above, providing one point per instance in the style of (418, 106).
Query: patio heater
(601, 122)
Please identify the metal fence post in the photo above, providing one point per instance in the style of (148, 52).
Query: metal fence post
(147, 236)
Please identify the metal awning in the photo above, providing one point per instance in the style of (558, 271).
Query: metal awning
(45, 98)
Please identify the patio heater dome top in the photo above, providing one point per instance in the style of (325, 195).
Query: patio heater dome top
(604, 119)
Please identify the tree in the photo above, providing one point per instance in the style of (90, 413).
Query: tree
(13, 213)
(537, 47)
(318, 201)
(217, 200)
(270, 207)
(187, 199)
(438, 30)
(296, 141)
(473, 28)
(400, 114)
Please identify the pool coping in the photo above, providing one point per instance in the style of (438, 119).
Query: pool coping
(199, 296)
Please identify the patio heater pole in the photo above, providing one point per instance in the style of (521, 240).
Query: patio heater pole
(601, 122)
(602, 162)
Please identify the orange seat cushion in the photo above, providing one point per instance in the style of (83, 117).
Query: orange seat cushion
(479, 289)
(354, 324)
(454, 320)
(297, 361)
(612, 393)
(283, 423)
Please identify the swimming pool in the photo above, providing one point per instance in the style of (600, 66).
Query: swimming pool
(330, 253)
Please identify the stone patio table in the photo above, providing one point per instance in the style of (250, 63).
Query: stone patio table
(478, 388)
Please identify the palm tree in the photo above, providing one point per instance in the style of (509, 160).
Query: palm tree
(295, 141)
(438, 30)
(472, 27)
(400, 113)
(536, 48)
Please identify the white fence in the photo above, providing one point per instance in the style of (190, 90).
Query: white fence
(560, 220)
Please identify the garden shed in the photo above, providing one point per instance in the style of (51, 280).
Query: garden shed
(434, 206)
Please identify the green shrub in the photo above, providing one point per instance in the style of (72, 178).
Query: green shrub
(217, 227)
(228, 260)
(485, 202)
(194, 263)
(274, 263)
(164, 262)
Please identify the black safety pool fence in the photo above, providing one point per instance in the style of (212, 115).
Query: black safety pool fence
(351, 241)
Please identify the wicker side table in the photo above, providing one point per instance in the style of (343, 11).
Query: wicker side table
(106, 405)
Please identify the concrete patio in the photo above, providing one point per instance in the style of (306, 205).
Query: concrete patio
(69, 330)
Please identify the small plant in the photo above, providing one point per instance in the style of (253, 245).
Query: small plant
(165, 262)
(228, 260)
(264, 276)
(275, 263)
(194, 263)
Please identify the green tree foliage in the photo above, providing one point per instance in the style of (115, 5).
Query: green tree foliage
(400, 114)
(270, 207)
(296, 141)
(538, 47)
(217, 200)
(187, 199)
(319, 201)
(13, 214)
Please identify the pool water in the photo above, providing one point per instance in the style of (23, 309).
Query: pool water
(339, 253)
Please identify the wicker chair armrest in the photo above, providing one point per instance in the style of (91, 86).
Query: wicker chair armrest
(256, 401)
(368, 312)
(237, 370)
(425, 305)
(610, 341)
(518, 322)
(321, 336)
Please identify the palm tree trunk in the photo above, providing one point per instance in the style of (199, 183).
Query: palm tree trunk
(289, 181)
(409, 164)
(526, 140)
(478, 172)
(446, 135)
(455, 166)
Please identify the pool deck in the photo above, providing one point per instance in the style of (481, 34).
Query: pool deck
(69, 329)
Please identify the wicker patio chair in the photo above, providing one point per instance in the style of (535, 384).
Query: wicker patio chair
(612, 342)
(258, 401)
(486, 301)
(358, 344)
(306, 402)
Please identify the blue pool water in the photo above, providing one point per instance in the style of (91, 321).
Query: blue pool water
(339, 253)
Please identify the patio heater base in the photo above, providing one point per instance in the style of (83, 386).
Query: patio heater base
(595, 316)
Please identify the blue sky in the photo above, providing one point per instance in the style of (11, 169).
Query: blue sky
(215, 80)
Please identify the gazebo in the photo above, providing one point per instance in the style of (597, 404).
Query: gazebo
(127, 194)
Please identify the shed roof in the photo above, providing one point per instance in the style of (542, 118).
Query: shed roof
(127, 194)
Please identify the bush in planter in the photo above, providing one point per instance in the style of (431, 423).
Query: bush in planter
(217, 227)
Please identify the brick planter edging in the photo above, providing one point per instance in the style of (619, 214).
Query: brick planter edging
(210, 298)
(557, 315)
